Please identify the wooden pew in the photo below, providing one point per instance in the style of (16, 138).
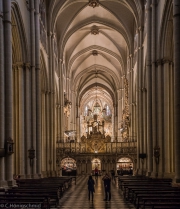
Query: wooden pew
(50, 188)
(171, 204)
(127, 188)
(139, 191)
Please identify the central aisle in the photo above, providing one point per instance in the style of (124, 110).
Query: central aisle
(76, 197)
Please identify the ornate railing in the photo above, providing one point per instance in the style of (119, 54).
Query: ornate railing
(111, 147)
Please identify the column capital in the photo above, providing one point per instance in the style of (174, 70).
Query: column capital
(141, 28)
(158, 62)
(74, 92)
(58, 106)
(53, 35)
(154, 3)
(1, 15)
(49, 33)
(27, 65)
(14, 67)
(120, 89)
(18, 65)
(60, 60)
(148, 5)
(166, 60)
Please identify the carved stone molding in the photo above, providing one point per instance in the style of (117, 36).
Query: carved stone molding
(67, 106)
(94, 30)
(94, 52)
(27, 3)
(163, 61)
(125, 114)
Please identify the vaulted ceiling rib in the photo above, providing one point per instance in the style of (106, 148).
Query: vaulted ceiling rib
(115, 22)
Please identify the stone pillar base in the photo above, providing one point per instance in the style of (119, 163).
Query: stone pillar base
(177, 181)
(154, 174)
(35, 176)
(44, 174)
(3, 184)
(22, 176)
(139, 172)
(148, 173)
(53, 174)
(48, 173)
(11, 183)
(169, 175)
(157, 174)
(28, 176)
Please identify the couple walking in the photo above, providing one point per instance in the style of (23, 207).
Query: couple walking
(107, 187)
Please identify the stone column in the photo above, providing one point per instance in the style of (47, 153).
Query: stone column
(8, 84)
(16, 119)
(145, 112)
(176, 34)
(153, 69)
(172, 116)
(166, 121)
(49, 105)
(129, 95)
(61, 89)
(159, 117)
(140, 141)
(52, 105)
(38, 88)
(47, 131)
(68, 86)
(149, 92)
(139, 137)
(73, 112)
(143, 146)
(2, 95)
(78, 124)
(113, 124)
(44, 139)
(57, 121)
(21, 119)
(119, 113)
(33, 85)
(27, 119)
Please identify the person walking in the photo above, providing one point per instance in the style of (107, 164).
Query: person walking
(113, 174)
(96, 173)
(107, 187)
(91, 187)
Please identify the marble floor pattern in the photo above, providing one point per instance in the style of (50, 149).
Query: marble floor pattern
(76, 197)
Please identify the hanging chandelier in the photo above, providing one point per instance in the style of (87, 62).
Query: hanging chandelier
(93, 3)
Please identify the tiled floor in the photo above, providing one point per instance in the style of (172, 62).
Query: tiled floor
(77, 197)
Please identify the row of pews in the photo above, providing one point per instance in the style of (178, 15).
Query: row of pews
(150, 193)
(35, 193)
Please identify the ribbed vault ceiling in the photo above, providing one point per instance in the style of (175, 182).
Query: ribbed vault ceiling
(95, 64)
